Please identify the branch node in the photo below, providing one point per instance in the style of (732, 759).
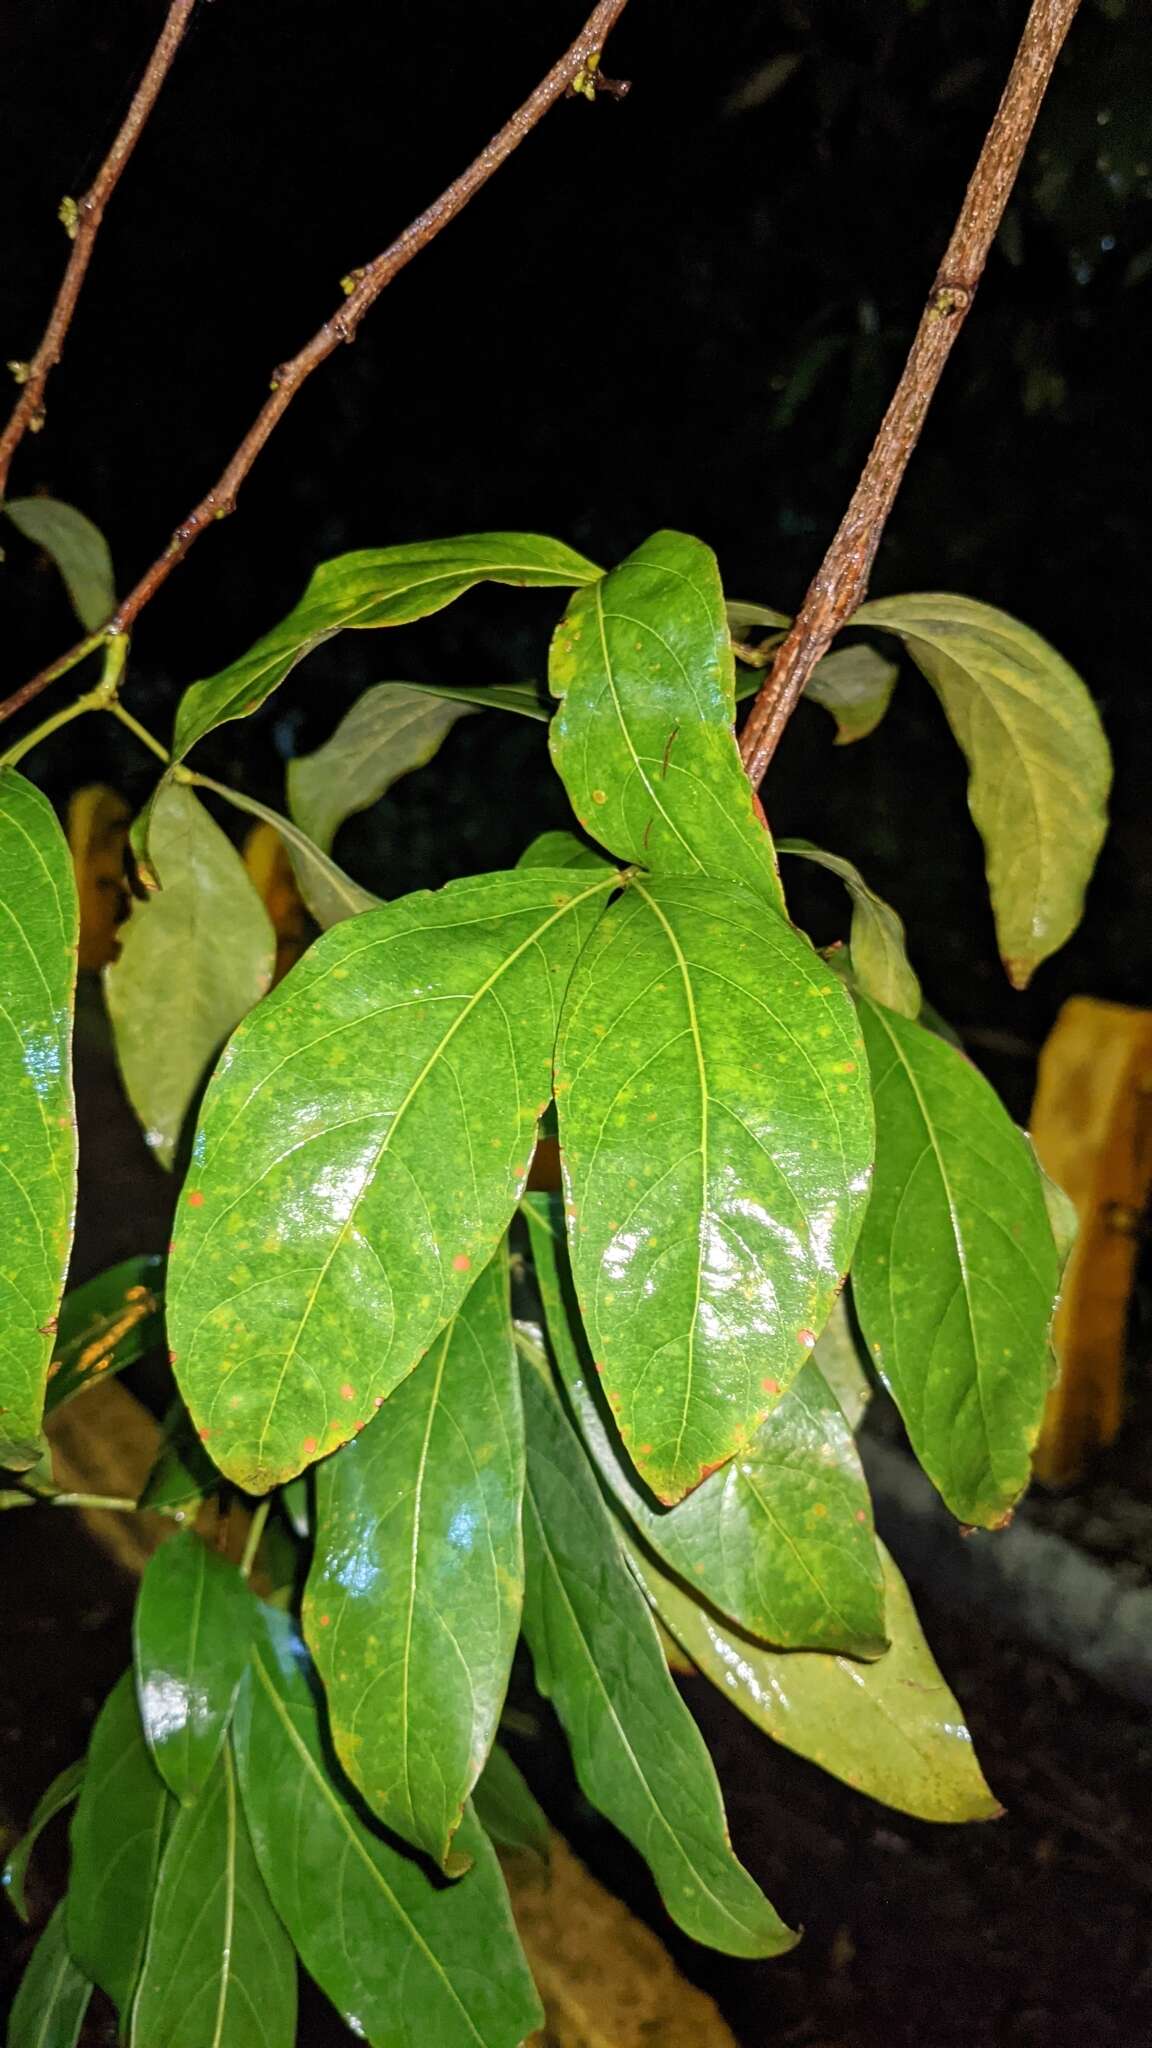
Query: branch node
(68, 215)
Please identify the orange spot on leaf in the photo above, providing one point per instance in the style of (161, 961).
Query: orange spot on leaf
(807, 1338)
(461, 1263)
(195, 1200)
(347, 1393)
(309, 1447)
(770, 1386)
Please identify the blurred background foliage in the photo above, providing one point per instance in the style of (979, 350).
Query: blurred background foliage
(685, 309)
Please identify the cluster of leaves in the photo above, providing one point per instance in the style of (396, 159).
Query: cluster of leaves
(614, 1418)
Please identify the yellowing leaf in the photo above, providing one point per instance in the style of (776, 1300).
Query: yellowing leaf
(390, 730)
(1038, 761)
(891, 1729)
(195, 956)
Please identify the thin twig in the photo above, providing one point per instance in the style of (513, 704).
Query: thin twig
(89, 212)
(573, 66)
(842, 578)
(252, 1540)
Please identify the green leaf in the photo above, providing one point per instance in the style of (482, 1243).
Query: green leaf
(192, 1631)
(183, 1474)
(643, 738)
(406, 1962)
(716, 1129)
(219, 1971)
(638, 1753)
(561, 850)
(49, 2007)
(328, 892)
(361, 1150)
(740, 616)
(38, 937)
(117, 1836)
(855, 684)
(956, 1271)
(413, 1602)
(506, 1809)
(79, 550)
(781, 1540)
(376, 587)
(1038, 761)
(105, 1324)
(879, 955)
(838, 1361)
(390, 730)
(891, 1729)
(60, 1793)
(524, 698)
(194, 958)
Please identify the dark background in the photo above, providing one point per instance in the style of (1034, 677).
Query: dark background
(687, 309)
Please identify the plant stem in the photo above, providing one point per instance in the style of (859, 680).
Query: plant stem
(142, 733)
(255, 1532)
(89, 212)
(91, 701)
(341, 327)
(117, 1504)
(840, 582)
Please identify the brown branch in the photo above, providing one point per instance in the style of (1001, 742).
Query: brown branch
(840, 582)
(573, 68)
(89, 212)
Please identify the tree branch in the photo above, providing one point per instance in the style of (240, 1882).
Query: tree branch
(574, 70)
(89, 212)
(840, 582)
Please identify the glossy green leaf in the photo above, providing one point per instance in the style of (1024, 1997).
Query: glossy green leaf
(192, 1631)
(1038, 761)
(642, 739)
(716, 1132)
(390, 730)
(956, 1271)
(38, 936)
(407, 1962)
(328, 892)
(506, 1809)
(77, 547)
(105, 1324)
(855, 684)
(838, 1361)
(879, 949)
(561, 850)
(195, 956)
(361, 1149)
(49, 2007)
(117, 1837)
(60, 1793)
(781, 1539)
(638, 1753)
(376, 587)
(891, 1729)
(413, 1602)
(219, 1971)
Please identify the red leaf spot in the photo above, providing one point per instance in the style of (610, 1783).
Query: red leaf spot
(599, 796)
(171, 1246)
(861, 1515)
(195, 1200)
(461, 1263)
(770, 1386)
(645, 1450)
(378, 1401)
(203, 1435)
(706, 1471)
(309, 1447)
(325, 1620)
(599, 1368)
(171, 1358)
(347, 1393)
(807, 1338)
